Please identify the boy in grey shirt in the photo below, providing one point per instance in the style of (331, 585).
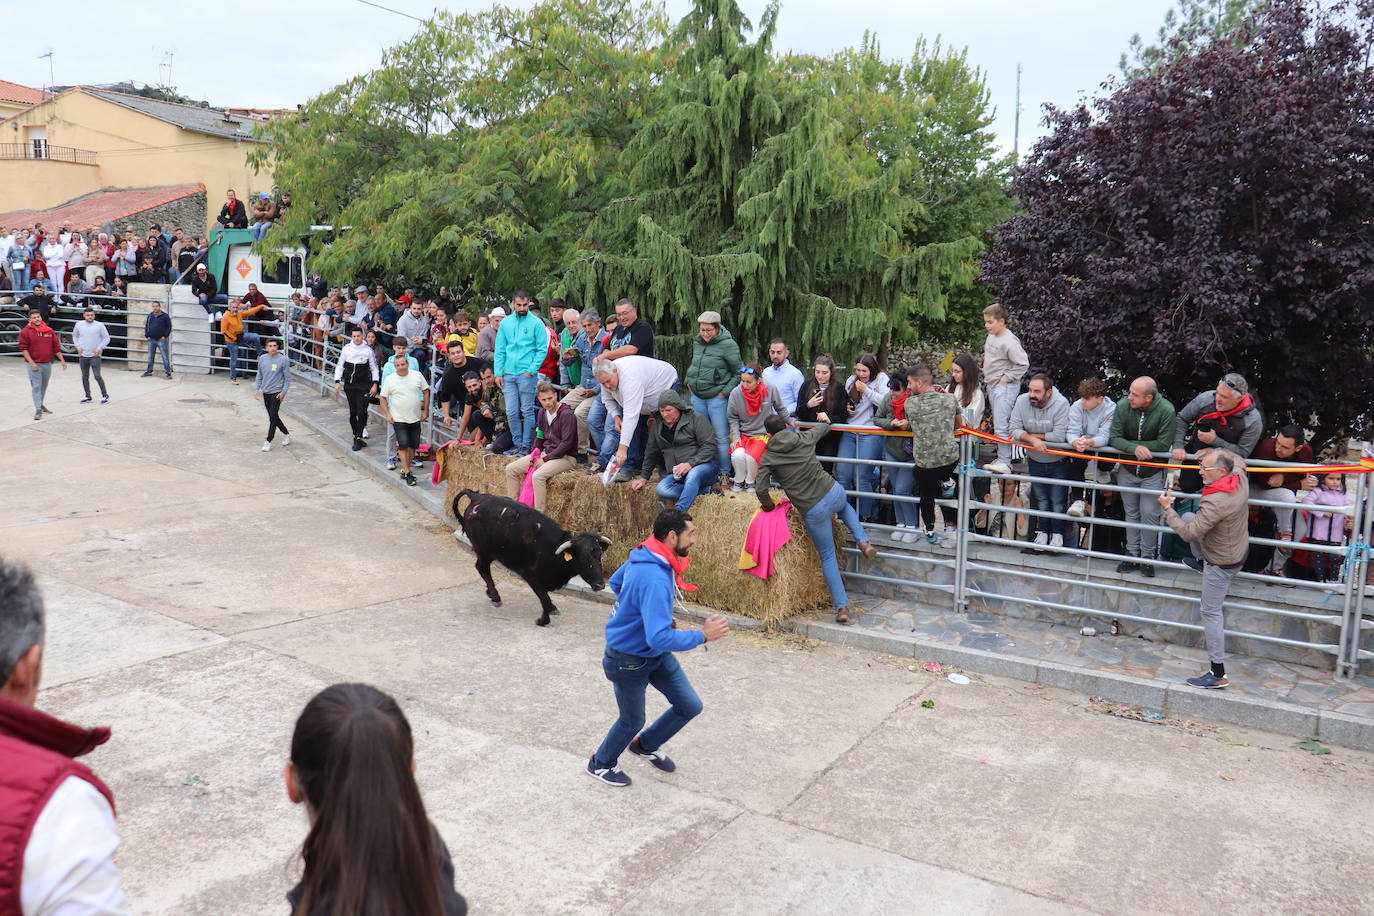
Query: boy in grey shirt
(271, 385)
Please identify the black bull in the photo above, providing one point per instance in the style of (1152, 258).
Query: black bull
(529, 544)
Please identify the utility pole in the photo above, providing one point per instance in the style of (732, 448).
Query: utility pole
(1016, 122)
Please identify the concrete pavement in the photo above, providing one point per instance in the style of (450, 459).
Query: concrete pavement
(200, 591)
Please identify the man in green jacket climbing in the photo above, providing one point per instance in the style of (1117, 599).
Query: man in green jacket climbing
(790, 456)
(1143, 424)
(685, 444)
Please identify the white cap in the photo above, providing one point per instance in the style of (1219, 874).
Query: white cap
(497, 312)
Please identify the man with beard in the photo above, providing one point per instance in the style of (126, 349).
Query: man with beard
(781, 376)
(641, 637)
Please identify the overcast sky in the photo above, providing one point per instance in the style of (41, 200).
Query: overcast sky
(270, 54)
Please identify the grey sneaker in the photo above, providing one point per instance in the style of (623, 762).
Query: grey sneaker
(624, 475)
(38, 414)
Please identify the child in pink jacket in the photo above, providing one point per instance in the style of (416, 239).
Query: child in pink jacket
(1328, 527)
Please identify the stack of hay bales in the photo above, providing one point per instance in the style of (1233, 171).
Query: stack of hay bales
(579, 502)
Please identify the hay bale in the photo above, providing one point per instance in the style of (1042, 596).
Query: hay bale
(579, 502)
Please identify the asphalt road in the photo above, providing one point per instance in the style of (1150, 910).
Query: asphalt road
(200, 591)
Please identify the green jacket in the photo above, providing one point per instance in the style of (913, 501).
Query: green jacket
(791, 457)
(694, 438)
(715, 365)
(1152, 427)
(893, 445)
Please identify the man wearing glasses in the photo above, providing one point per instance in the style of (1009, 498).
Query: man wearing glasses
(1219, 535)
(1227, 417)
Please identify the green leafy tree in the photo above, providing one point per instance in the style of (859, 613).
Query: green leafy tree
(1192, 25)
(482, 147)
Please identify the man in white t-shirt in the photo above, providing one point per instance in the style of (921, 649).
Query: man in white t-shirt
(58, 838)
(405, 404)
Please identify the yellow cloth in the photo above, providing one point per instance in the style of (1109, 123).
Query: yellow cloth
(746, 559)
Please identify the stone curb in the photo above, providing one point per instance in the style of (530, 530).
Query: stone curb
(1171, 699)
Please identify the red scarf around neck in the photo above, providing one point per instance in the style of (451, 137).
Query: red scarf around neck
(677, 563)
(752, 402)
(1221, 415)
(1225, 484)
(899, 404)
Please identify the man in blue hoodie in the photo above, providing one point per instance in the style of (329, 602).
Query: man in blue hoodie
(641, 637)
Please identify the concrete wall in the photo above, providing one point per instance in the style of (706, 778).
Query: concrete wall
(133, 150)
(29, 184)
(187, 213)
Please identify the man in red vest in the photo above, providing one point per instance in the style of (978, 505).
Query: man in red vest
(57, 828)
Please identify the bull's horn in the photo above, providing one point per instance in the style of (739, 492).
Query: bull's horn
(605, 541)
(563, 547)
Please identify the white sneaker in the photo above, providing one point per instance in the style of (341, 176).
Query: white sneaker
(285, 440)
(365, 432)
(997, 467)
(899, 535)
(267, 446)
(911, 537)
(1078, 508)
(1041, 539)
(1057, 540)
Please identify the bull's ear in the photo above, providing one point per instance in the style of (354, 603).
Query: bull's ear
(563, 547)
(605, 541)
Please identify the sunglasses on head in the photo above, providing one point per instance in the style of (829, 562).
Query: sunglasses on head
(745, 370)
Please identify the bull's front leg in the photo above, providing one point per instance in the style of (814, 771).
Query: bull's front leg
(545, 602)
(484, 570)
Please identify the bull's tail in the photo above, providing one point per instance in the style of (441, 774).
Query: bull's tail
(458, 514)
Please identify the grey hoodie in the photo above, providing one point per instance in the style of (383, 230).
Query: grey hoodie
(1050, 422)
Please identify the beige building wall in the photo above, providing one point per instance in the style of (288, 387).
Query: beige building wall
(9, 109)
(132, 150)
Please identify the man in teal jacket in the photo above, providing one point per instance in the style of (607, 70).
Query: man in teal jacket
(522, 342)
(641, 637)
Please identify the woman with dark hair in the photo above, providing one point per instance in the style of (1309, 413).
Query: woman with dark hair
(965, 385)
(371, 850)
(822, 400)
(865, 390)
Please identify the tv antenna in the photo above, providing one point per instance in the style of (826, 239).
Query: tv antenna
(52, 81)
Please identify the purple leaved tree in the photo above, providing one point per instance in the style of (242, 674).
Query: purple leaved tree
(1214, 214)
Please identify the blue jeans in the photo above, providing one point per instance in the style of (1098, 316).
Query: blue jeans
(1048, 496)
(246, 338)
(38, 382)
(818, 526)
(610, 441)
(860, 477)
(596, 425)
(21, 278)
(903, 484)
(154, 344)
(630, 675)
(715, 409)
(521, 408)
(259, 230)
(209, 302)
(686, 491)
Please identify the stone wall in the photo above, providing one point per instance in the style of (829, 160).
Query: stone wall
(187, 213)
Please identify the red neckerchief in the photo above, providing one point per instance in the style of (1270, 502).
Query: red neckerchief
(677, 563)
(1221, 415)
(1225, 484)
(41, 327)
(899, 404)
(752, 402)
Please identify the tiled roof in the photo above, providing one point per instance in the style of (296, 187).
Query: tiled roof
(210, 121)
(93, 210)
(14, 92)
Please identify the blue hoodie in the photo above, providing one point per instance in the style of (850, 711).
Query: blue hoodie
(642, 620)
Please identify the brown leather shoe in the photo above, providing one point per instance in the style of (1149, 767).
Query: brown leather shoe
(868, 550)
(842, 615)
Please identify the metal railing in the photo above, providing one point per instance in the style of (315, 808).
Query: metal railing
(47, 152)
(977, 557)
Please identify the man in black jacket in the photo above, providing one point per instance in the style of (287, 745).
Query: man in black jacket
(39, 301)
(157, 327)
(233, 215)
(206, 290)
(685, 442)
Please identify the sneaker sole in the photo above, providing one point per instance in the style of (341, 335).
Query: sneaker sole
(1210, 686)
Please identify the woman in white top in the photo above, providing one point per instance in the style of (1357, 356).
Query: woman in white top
(866, 389)
(55, 258)
(964, 378)
(357, 374)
